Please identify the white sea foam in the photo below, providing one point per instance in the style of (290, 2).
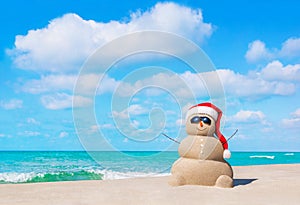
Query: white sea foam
(108, 174)
(263, 156)
(14, 177)
(289, 154)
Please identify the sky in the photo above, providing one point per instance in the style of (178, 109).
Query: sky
(46, 95)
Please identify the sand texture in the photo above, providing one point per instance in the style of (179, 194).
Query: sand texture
(266, 184)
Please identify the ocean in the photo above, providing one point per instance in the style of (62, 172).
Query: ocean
(50, 166)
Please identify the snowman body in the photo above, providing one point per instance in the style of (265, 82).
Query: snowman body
(201, 159)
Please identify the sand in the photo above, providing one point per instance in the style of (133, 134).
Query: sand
(266, 184)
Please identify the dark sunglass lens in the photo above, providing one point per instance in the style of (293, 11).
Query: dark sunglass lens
(206, 120)
(195, 119)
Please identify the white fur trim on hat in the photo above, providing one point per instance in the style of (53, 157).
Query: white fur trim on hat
(226, 154)
(204, 110)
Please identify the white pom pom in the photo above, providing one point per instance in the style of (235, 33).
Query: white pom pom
(226, 154)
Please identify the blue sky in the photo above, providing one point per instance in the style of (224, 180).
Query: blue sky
(254, 45)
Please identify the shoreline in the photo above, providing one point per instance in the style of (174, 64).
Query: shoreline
(117, 175)
(254, 184)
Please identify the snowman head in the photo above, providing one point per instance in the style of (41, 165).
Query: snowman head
(204, 119)
(200, 124)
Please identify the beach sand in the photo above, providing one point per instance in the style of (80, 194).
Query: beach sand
(265, 184)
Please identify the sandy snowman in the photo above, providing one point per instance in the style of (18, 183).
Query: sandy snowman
(202, 154)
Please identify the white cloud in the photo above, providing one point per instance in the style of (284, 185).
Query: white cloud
(11, 104)
(291, 123)
(277, 71)
(296, 114)
(95, 128)
(49, 83)
(33, 121)
(63, 134)
(54, 83)
(134, 109)
(290, 48)
(294, 121)
(248, 116)
(180, 122)
(106, 126)
(135, 123)
(186, 108)
(184, 85)
(67, 41)
(57, 101)
(28, 133)
(86, 84)
(62, 101)
(258, 51)
(63, 44)
(174, 18)
(252, 86)
(56, 87)
(163, 83)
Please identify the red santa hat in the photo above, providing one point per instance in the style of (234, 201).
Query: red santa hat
(215, 113)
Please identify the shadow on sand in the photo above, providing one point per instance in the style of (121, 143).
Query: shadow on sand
(239, 182)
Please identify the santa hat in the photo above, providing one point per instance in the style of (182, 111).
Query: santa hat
(215, 113)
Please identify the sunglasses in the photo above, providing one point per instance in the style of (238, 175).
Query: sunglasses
(197, 119)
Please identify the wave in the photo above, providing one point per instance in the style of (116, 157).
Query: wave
(289, 154)
(32, 177)
(14, 177)
(108, 174)
(263, 156)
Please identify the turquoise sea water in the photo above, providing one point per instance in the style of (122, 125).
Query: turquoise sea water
(32, 166)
